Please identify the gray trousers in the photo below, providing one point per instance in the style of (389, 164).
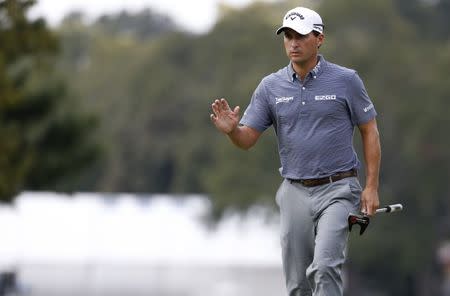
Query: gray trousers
(314, 234)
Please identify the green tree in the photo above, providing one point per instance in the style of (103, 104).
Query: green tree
(44, 139)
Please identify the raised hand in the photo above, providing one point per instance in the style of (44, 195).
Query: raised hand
(225, 119)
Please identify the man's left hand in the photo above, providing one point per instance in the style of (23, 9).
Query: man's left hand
(369, 201)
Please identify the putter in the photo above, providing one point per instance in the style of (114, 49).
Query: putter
(363, 220)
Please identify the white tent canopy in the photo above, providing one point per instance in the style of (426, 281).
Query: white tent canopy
(85, 227)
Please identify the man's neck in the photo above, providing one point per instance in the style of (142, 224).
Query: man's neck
(302, 69)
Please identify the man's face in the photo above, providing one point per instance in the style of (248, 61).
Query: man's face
(301, 48)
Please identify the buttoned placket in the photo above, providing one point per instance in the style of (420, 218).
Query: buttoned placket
(311, 75)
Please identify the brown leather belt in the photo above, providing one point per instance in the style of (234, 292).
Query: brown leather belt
(322, 181)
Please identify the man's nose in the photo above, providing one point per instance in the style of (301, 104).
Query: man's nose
(294, 43)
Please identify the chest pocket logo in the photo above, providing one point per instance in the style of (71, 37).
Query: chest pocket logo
(283, 100)
(325, 98)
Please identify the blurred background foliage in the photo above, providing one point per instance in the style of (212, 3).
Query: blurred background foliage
(45, 140)
(122, 104)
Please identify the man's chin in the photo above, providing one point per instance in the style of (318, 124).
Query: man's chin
(297, 60)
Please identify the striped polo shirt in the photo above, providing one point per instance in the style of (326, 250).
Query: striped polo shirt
(313, 119)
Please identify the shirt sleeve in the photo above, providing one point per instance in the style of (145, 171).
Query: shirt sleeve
(362, 109)
(257, 114)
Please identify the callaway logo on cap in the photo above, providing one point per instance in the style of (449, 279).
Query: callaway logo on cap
(302, 20)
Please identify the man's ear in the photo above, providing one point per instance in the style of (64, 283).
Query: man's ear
(320, 40)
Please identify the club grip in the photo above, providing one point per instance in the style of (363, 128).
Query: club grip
(390, 208)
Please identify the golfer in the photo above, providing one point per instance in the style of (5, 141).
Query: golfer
(314, 107)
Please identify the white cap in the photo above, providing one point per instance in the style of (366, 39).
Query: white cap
(302, 20)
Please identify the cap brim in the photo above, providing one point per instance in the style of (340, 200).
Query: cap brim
(298, 30)
(281, 29)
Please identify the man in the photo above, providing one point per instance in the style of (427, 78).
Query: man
(314, 106)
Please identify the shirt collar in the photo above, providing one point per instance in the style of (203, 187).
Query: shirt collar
(315, 72)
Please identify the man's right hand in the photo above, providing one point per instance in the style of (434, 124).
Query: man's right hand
(225, 119)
